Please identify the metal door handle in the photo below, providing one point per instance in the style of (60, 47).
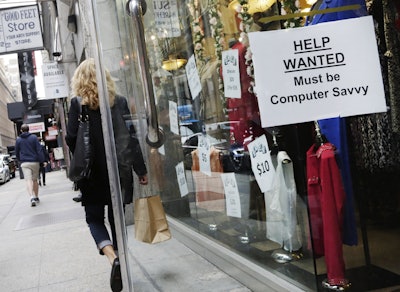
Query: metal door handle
(136, 9)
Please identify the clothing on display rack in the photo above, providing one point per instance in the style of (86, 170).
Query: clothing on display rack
(326, 199)
(280, 205)
(209, 188)
(335, 128)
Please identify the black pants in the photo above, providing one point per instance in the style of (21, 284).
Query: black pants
(42, 174)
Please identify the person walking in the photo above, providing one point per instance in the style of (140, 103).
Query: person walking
(29, 154)
(95, 190)
(43, 165)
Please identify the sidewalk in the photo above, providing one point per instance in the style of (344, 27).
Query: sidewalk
(49, 248)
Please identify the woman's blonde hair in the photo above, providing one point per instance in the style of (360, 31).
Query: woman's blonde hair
(84, 84)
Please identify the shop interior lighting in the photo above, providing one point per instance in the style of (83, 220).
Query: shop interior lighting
(173, 64)
(254, 5)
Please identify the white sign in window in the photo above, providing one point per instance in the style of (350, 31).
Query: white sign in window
(20, 29)
(173, 117)
(261, 163)
(180, 175)
(193, 77)
(321, 71)
(204, 148)
(232, 198)
(55, 80)
(166, 18)
(231, 73)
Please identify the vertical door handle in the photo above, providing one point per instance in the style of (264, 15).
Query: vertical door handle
(136, 9)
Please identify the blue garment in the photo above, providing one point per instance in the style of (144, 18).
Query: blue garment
(333, 16)
(335, 128)
(28, 148)
(335, 131)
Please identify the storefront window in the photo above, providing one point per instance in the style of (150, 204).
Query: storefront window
(203, 79)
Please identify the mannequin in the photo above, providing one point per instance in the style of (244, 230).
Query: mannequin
(335, 131)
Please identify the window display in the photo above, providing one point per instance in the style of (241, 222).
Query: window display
(318, 209)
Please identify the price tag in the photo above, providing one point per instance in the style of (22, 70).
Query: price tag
(204, 154)
(173, 117)
(232, 198)
(193, 77)
(180, 175)
(261, 163)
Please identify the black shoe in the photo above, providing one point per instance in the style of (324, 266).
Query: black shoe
(115, 278)
(78, 198)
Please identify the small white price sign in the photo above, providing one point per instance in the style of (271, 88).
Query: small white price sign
(180, 175)
(261, 163)
(233, 206)
(173, 117)
(204, 154)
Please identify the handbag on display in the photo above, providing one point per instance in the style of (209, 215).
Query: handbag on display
(151, 225)
(81, 161)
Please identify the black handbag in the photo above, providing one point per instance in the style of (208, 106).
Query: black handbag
(81, 161)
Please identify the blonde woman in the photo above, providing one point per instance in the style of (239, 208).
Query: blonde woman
(96, 189)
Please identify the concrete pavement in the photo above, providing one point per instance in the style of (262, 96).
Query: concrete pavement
(49, 248)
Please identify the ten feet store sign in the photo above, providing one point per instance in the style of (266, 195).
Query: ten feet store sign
(20, 29)
(322, 71)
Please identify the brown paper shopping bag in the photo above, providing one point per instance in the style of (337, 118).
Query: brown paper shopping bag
(151, 224)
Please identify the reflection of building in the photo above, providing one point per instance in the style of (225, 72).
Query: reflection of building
(8, 93)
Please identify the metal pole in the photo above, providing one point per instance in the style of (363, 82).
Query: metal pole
(136, 9)
(60, 109)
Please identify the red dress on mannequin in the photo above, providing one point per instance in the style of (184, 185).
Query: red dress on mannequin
(326, 197)
(244, 110)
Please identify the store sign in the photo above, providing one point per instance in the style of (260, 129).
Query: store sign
(261, 163)
(180, 175)
(20, 29)
(322, 71)
(232, 197)
(166, 18)
(231, 73)
(53, 130)
(55, 80)
(193, 77)
(33, 116)
(27, 79)
(36, 127)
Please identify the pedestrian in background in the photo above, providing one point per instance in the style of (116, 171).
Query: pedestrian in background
(43, 165)
(29, 154)
(96, 189)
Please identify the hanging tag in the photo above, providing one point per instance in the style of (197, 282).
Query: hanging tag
(232, 198)
(261, 163)
(204, 154)
(180, 175)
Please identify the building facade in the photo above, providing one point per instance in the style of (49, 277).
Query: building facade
(187, 71)
(9, 92)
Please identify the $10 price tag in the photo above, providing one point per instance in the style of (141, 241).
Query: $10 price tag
(261, 163)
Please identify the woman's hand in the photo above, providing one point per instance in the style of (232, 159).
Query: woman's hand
(143, 180)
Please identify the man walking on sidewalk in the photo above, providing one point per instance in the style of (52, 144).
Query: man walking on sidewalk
(29, 154)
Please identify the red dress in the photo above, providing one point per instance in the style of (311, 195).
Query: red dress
(244, 111)
(326, 197)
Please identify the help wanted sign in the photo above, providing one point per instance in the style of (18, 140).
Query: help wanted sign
(322, 71)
